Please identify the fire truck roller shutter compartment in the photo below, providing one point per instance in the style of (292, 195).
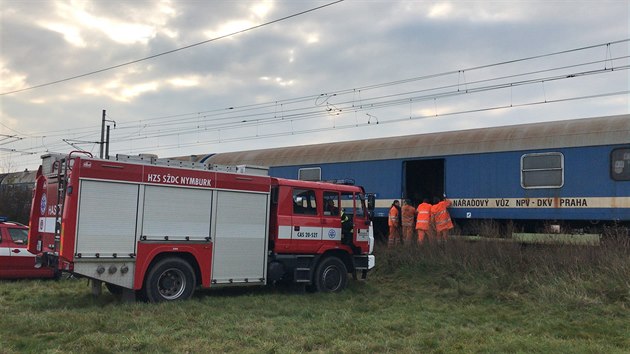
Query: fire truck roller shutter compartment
(107, 219)
(107, 228)
(240, 241)
(175, 213)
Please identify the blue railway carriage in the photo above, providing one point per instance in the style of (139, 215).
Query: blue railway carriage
(571, 172)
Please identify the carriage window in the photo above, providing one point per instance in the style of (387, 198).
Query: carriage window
(544, 170)
(620, 164)
(310, 174)
(304, 202)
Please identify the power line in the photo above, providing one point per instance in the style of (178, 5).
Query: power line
(273, 112)
(305, 113)
(235, 112)
(231, 109)
(357, 125)
(396, 120)
(310, 112)
(172, 51)
(300, 114)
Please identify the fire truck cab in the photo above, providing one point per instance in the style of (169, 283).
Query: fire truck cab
(157, 229)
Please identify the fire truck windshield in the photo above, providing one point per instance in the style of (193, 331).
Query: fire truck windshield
(353, 203)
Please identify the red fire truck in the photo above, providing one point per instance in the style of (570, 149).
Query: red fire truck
(157, 229)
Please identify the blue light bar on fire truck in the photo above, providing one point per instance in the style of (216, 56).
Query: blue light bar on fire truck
(345, 181)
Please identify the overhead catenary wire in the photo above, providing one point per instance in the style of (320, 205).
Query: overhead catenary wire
(397, 120)
(382, 122)
(315, 97)
(349, 106)
(314, 106)
(236, 112)
(233, 109)
(149, 149)
(369, 103)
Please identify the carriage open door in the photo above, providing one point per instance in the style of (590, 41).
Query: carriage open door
(423, 179)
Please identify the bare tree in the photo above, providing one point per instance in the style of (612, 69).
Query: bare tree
(7, 165)
(15, 195)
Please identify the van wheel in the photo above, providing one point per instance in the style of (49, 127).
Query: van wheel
(331, 275)
(170, 279)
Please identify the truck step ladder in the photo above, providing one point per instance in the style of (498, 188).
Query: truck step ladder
(303, 272)
(62, 181)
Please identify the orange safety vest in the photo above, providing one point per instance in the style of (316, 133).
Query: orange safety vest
(441, 217)
(393, 216)
(424, 216)
(408, 212)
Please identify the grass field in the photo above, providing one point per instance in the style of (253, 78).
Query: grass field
(442, 298)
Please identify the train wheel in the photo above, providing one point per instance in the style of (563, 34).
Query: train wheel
(331, 275)
(170, 279)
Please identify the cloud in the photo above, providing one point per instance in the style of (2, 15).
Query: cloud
(71, 34)
(278, 81)
(348, 46)
(190, 81)
(262, 9)
(10, 80)
(442, 10)
(120, 91)
(79, 20)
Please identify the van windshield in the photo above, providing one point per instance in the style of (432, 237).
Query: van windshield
(19, 236)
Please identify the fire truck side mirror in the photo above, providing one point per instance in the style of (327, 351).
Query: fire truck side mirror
(371, 201)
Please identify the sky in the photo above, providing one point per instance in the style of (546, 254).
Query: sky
(179, 78)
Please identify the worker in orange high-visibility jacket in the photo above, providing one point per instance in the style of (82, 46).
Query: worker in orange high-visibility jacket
(394, 224)
(441, 218)
(408, 215)
(423, 221)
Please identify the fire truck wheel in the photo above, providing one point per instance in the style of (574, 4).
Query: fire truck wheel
(170, 279)
(331, 275)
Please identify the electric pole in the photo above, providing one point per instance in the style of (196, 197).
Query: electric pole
(102, 142)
